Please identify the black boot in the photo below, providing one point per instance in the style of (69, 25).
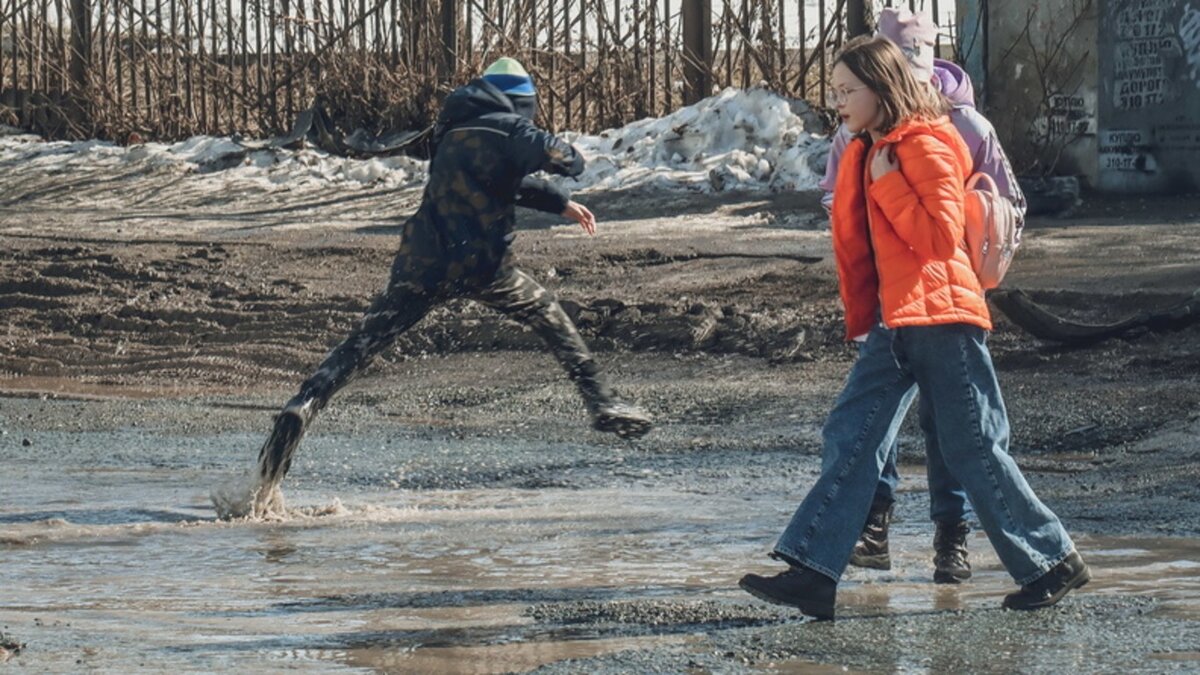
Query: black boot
(623, 419)
(1048, 589)
(275, 458)
(609, 413)
(813, 593)
(257, 493)
(950, 564)
(871, 550)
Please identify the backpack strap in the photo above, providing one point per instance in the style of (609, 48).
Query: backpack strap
(981, 176)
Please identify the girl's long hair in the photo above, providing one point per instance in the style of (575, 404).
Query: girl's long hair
(882, 67)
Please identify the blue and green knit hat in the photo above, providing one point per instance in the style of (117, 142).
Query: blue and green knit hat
(509, 76)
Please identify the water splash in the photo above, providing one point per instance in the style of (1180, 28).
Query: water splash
(245, 496)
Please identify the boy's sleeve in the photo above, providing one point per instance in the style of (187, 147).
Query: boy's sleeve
(536, 150)
(542, 195)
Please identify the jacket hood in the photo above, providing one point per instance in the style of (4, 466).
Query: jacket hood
(470, 101)
(954, 83)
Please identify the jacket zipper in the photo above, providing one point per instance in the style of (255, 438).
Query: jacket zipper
(871, 228)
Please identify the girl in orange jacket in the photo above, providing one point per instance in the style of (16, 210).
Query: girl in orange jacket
(908, 288)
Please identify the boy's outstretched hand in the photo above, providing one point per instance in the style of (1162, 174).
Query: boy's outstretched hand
(580, 214)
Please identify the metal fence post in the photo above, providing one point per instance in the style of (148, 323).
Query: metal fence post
(81, 45)
(697, 50)
(857, 18)
(448, 64)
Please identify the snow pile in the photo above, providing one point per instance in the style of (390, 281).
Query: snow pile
(734, 140)
(737, 139)
(221, 161)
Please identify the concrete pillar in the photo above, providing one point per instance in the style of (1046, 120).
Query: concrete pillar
(972, 32)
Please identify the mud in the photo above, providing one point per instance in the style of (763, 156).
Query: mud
(451, 510)
(9, 647)
(1092, 631)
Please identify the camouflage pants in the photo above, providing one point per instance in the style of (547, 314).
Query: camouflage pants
(408, 298)
(419, 281)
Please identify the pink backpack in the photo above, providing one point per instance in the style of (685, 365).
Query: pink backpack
(991, 231)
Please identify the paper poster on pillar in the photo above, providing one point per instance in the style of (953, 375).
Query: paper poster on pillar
(1147, 54)
(1067, 116)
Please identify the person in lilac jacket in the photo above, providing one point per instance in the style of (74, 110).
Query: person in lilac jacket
(916, 36)
(954, 83)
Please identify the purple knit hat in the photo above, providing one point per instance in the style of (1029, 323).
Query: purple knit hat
(914, 34)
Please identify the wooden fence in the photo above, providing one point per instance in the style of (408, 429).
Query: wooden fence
(167, 69)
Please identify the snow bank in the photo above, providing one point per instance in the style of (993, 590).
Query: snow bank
(221, 161)
(734, 140)
(749, 140)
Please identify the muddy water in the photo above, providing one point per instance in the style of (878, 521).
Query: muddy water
(111, 560)
(409, 581)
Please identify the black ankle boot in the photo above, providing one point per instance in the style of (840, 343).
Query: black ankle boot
(1048, 589)
(609, 413)
(813, 593)
(623, 419)
(950, 564)
(871, 550)
(275, 457)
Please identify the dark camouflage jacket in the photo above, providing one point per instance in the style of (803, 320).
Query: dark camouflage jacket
(485, 153)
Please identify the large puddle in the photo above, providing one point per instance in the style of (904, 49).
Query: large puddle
(118, 565)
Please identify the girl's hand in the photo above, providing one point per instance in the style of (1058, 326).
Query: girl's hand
(884, 163)
(580, 214)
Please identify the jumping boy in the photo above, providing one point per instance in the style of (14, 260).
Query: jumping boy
(457, 246)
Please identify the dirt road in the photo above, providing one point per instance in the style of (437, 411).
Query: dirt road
(149, 334)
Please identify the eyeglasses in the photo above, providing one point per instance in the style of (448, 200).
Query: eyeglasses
(836, 97)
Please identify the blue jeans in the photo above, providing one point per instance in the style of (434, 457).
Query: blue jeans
(947, 499)
(952, 368)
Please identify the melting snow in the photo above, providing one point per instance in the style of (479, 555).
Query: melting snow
(748, 140)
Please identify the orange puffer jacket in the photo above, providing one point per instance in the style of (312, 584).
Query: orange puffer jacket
(899, 241)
